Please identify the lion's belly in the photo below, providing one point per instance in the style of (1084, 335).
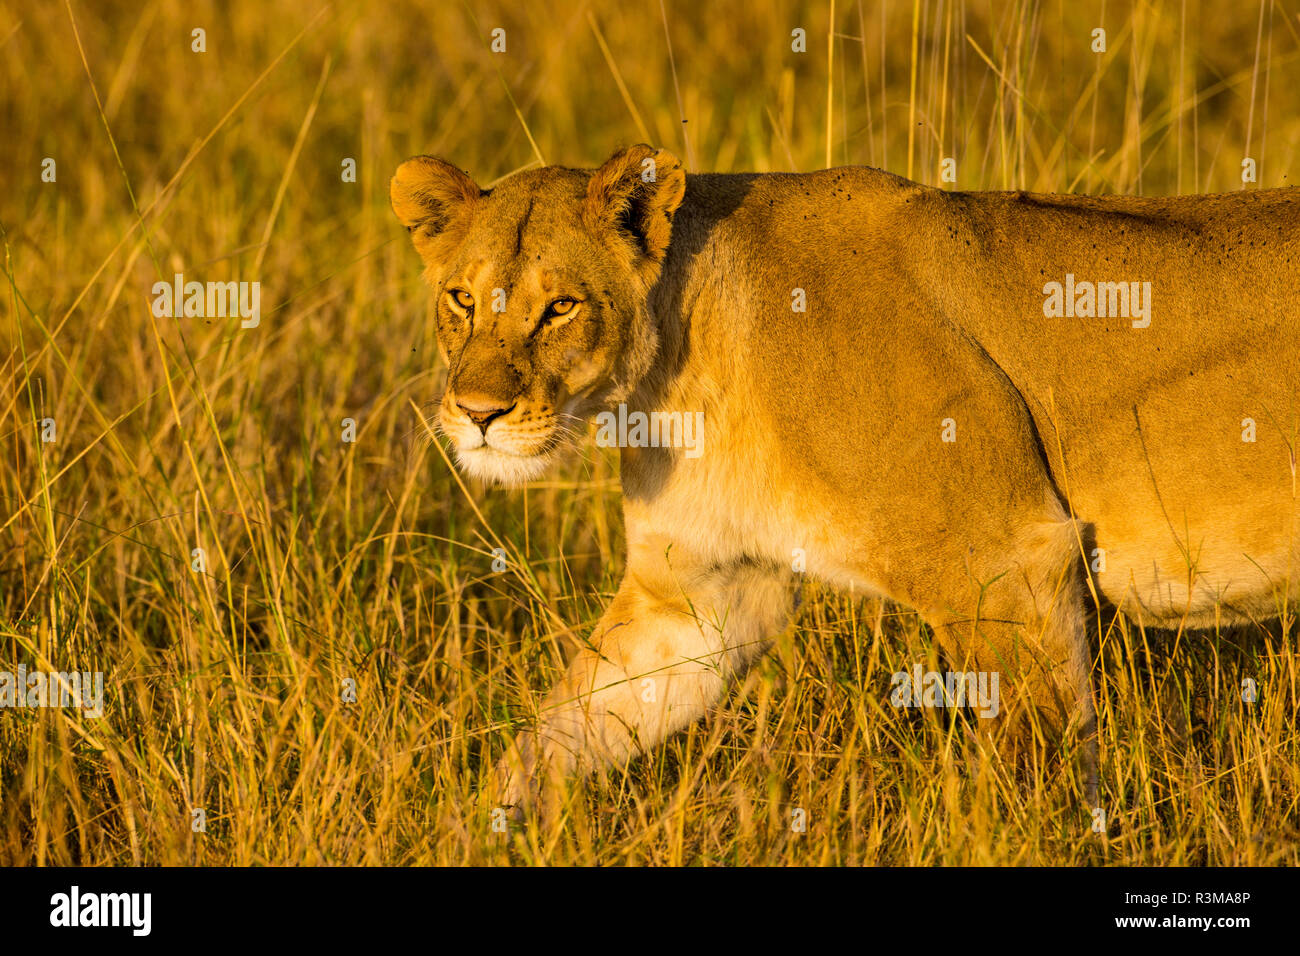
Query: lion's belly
(1228, 549)
(1157, 583)
(1185, 484)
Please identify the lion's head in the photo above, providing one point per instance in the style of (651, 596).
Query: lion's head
(540, 286)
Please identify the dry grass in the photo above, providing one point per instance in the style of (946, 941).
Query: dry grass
(329, 561)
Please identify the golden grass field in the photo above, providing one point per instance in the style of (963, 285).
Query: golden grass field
(370, 561)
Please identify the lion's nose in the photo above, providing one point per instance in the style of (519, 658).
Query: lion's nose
(482, 411)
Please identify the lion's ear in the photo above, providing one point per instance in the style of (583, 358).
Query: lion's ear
(637, 192)
(428, 194)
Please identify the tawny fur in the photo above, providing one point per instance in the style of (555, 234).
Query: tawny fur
(1075, 438)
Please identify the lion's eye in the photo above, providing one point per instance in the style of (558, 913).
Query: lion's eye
(462, 298)
(561, 307)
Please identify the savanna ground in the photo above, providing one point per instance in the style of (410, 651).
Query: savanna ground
(370, 561)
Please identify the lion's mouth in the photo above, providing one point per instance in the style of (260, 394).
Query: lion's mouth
(506, 443)
(504, 452)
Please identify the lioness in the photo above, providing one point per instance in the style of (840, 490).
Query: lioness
(1000, 409)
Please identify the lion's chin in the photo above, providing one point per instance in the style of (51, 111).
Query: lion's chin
(493, 465)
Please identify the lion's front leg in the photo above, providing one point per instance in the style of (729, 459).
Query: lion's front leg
(659, 657)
